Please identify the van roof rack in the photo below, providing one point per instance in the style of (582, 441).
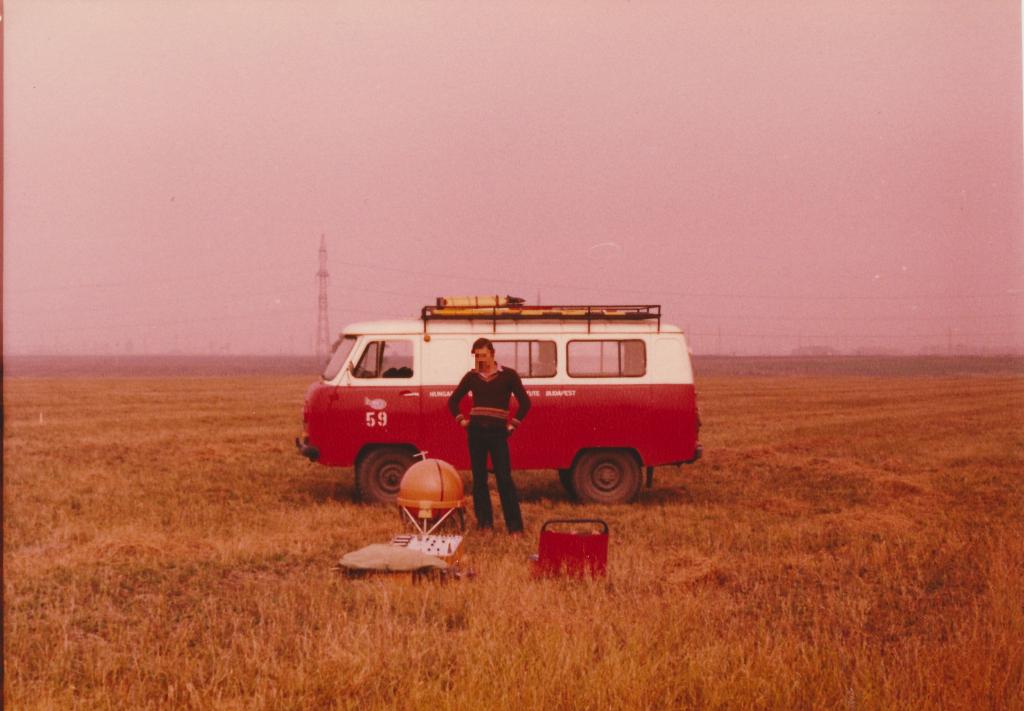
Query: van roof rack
(514, 309)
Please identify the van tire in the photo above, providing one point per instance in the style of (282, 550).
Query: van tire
(565, 476)
(380, 472)
(607, 476)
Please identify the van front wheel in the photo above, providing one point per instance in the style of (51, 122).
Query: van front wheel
(380, 472)
(607, 476)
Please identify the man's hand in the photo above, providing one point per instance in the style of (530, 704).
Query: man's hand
(510, 427)
(463, 424)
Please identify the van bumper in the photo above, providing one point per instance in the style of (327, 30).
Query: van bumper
(698, 452)
(306, 449)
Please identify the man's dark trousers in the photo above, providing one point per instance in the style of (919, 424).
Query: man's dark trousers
(484, 441)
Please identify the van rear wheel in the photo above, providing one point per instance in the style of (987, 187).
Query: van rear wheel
(607, 476)
(380, 472)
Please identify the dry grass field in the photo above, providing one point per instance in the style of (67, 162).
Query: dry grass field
(847, 542)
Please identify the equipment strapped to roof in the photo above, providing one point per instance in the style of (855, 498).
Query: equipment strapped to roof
(510, 308)
(475, 301)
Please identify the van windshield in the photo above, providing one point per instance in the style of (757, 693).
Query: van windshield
(342, 347)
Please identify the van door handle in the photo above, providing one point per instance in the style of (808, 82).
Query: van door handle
(409, 393)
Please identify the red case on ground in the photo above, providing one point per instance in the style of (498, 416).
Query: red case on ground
(570, 553)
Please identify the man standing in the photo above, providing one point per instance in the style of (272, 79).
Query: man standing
(488, 427)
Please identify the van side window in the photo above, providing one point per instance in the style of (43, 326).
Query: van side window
(397, 360)
(531, 359)
(385, 359)
(606, 359)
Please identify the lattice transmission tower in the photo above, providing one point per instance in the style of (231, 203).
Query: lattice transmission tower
(323, 330)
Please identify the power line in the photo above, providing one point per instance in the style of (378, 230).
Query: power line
(648, 292)
(890, 336)
(522, 283)
(323, 335)
(80, 308)
(205, 276)
(260, 315)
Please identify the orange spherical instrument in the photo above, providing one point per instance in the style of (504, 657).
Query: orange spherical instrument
(430, 490)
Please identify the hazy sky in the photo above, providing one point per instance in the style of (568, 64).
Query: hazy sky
(774, 173)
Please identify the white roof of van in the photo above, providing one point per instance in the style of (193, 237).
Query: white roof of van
(483, 327)
(397, 326)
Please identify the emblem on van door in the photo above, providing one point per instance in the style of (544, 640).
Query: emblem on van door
(378, 403)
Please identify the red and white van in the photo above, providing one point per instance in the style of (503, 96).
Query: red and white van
(611, 387)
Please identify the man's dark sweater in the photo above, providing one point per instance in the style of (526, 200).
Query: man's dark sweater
(491, 398)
